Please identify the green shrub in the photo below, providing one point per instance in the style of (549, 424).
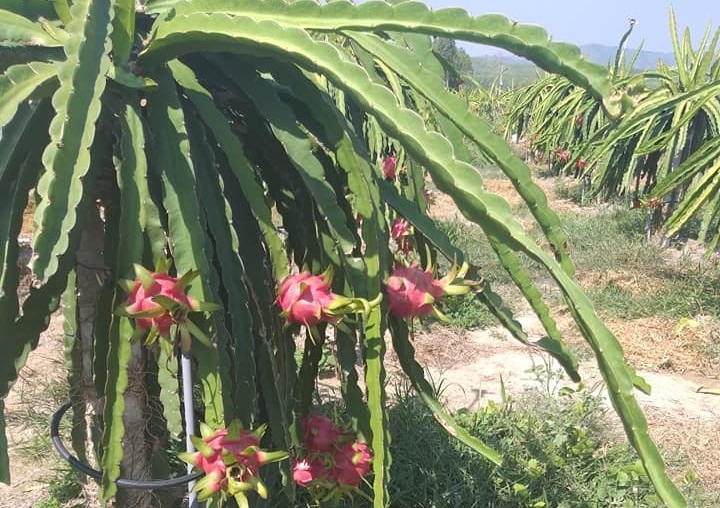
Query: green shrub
(557, 451)
(556, 454)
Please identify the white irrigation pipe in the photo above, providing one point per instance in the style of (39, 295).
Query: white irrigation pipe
(189, 412)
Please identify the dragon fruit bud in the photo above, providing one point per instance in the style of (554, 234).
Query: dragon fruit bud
(400, 231)
(389, 167)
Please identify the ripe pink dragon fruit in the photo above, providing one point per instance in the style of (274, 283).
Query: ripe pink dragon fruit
(302, 472)
(158, 301)
(320, 433)
(306, 299)
(244, 447)
(210, 460)
(352, 462)
(412, 291)
(563, 155)
(140, 300)
(389, 167)
(231, 459)
(336, 461)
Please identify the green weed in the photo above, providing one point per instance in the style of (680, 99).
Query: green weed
(572, 191)
(609, 240)
(63, 489)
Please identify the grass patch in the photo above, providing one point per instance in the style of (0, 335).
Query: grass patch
(625, 277)
(609, 240)
(570, 190)
(471, 240)
(467, 313)
(39, 398)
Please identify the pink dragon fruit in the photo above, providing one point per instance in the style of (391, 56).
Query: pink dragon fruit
(140, 301)
(320, 433)
(302, 472)
(157, 301)
(336, 461)
(412, 292)
(563, 155)
(352, 462)
(306, 299)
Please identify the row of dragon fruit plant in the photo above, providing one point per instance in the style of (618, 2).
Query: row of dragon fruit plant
(664, 156)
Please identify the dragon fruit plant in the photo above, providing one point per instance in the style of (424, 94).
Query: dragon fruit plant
(243, 140)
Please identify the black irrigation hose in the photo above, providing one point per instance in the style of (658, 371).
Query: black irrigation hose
(94, 473)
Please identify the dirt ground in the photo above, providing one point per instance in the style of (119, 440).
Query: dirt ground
(29, 396)
(684, 421)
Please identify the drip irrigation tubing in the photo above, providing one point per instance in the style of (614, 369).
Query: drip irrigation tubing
(94, 473)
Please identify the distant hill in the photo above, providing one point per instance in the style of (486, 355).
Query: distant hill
(604, 55)
(516, 72)
(519, 72)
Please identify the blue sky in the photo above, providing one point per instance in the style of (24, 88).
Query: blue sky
(599, 21)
